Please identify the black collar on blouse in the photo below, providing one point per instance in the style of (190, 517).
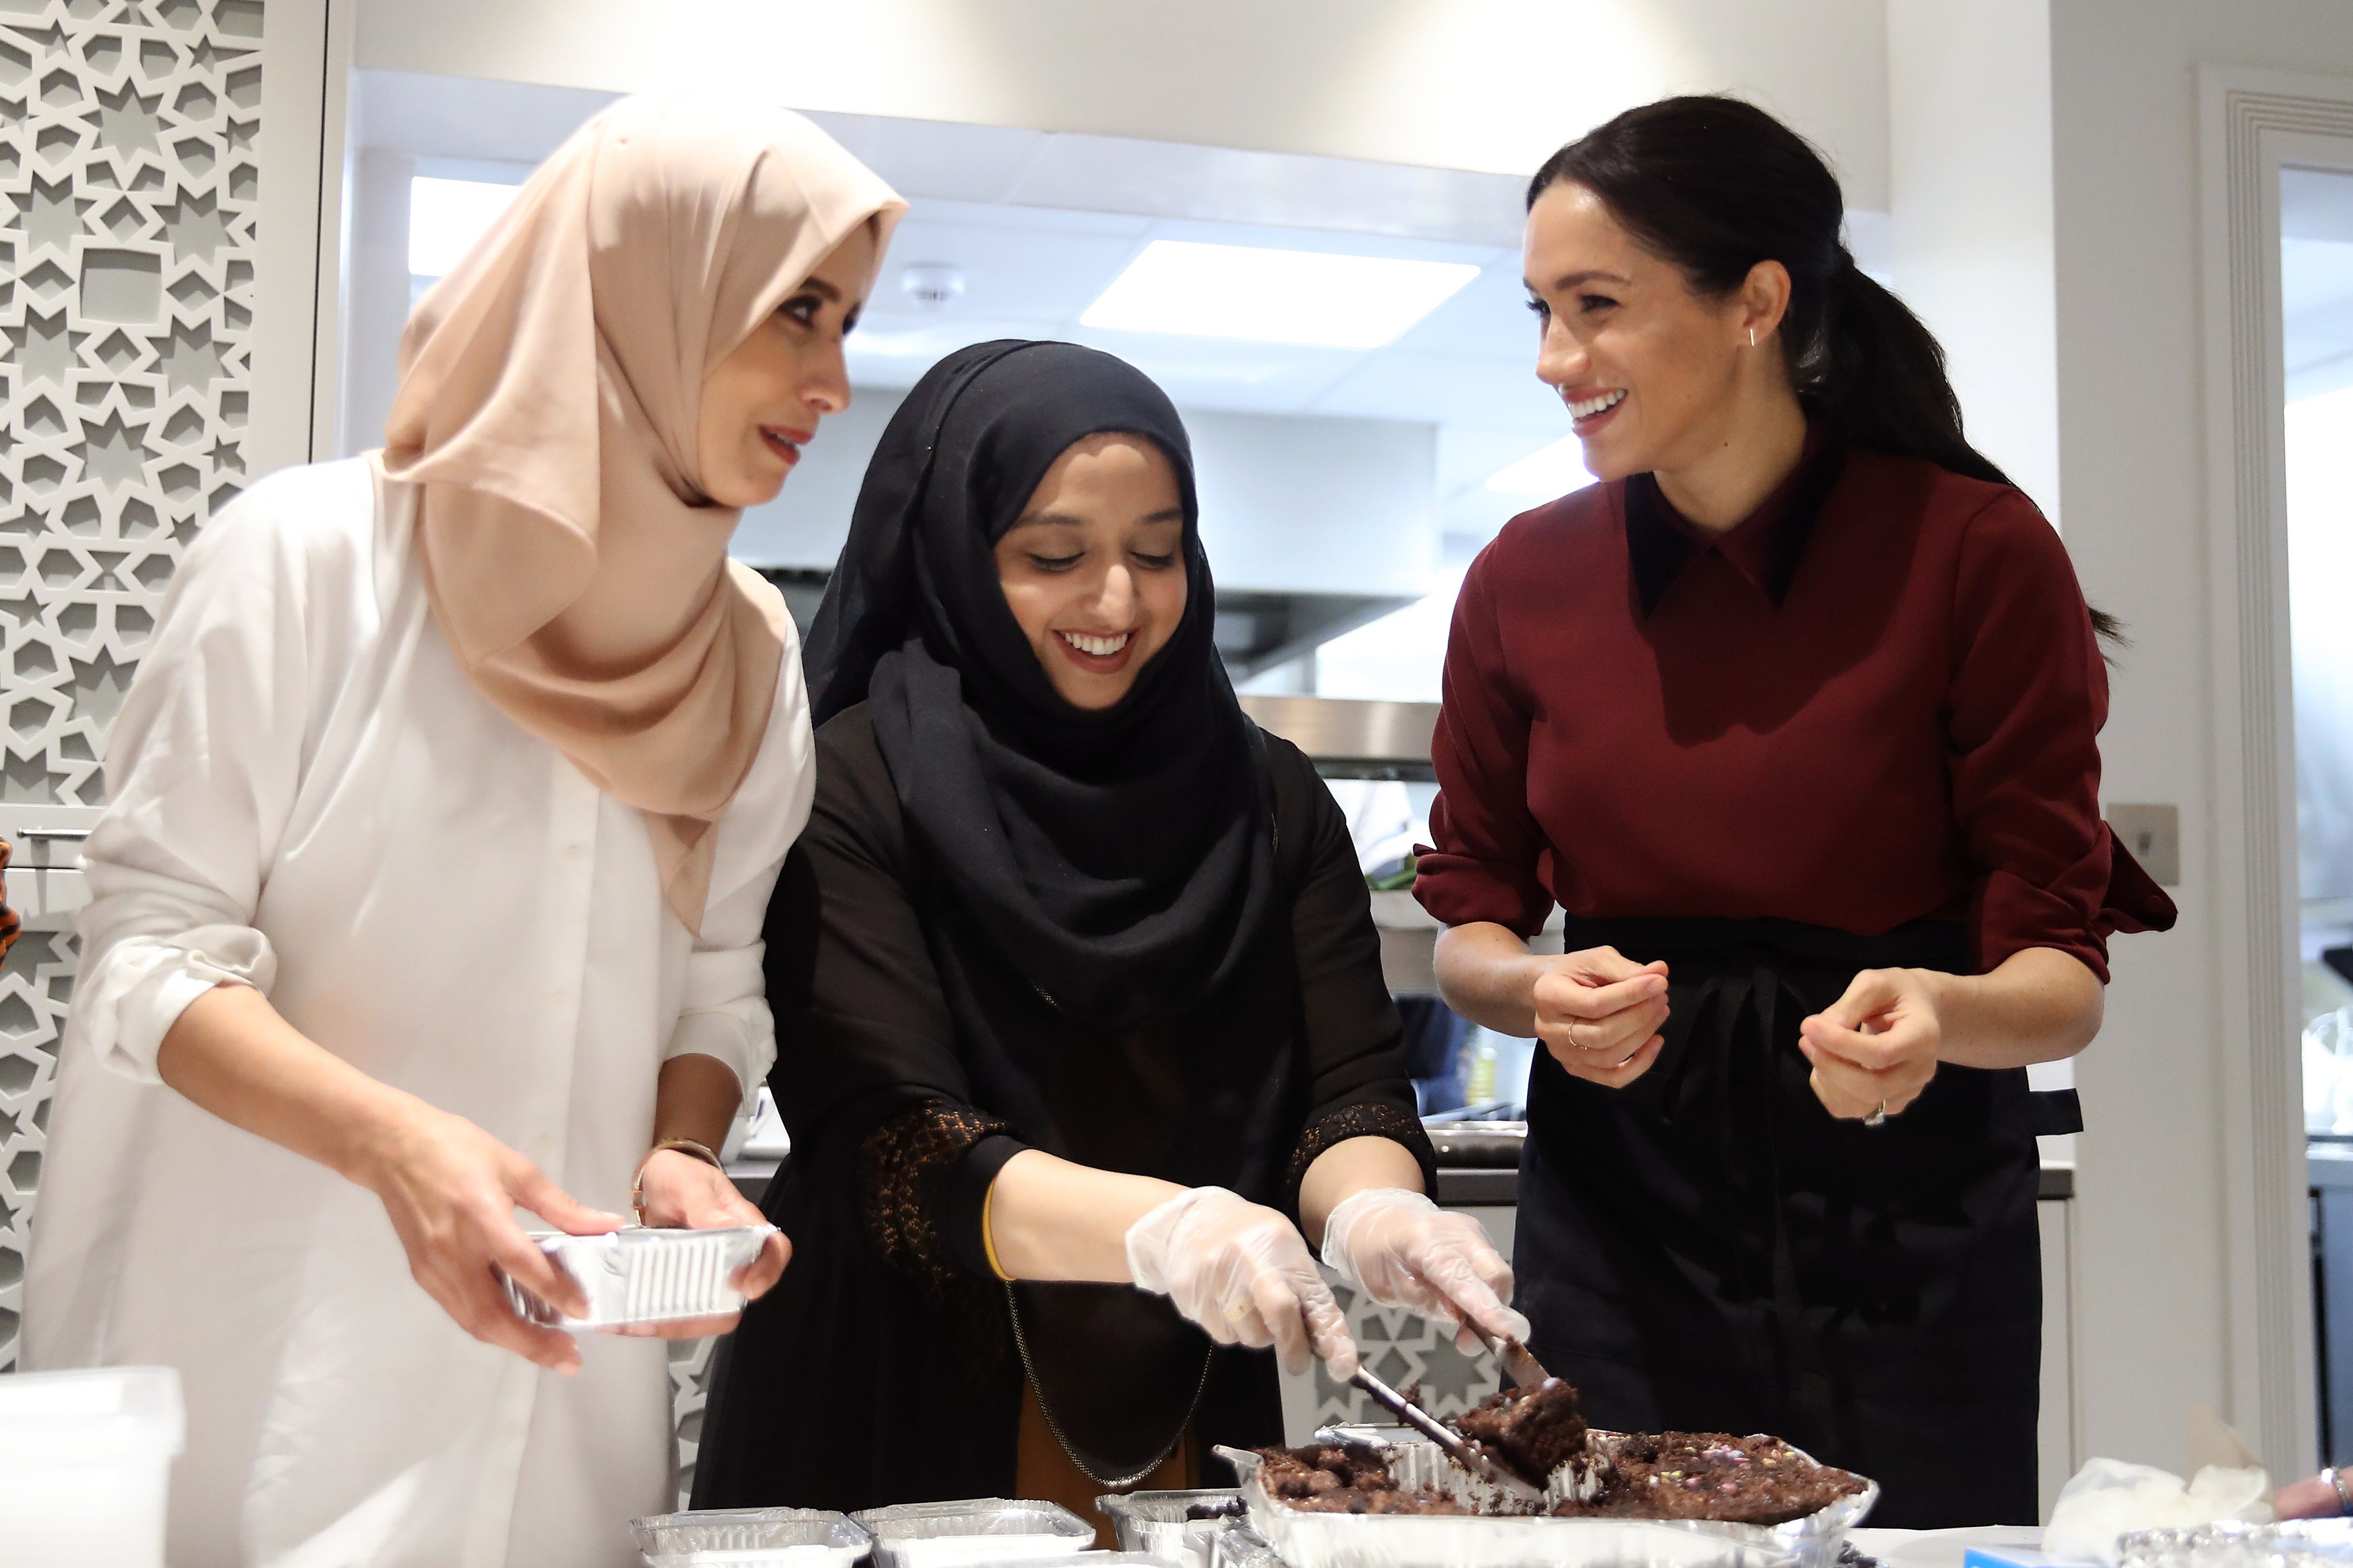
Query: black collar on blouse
(1765, 547)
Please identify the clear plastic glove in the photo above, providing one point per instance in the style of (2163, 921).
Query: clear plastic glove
(1242, 1272)
(1403, 1250)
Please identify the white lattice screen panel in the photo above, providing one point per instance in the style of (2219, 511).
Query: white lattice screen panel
(127, 184)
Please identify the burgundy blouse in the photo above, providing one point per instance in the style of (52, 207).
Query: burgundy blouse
(1876, 701)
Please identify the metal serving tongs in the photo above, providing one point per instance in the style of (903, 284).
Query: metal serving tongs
(1468, 1454)
(1519, 1363)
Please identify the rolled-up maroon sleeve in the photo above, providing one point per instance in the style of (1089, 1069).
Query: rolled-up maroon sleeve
(2029, 694)
(1484, 864)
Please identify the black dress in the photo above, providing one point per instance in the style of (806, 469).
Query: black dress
(912, 1062)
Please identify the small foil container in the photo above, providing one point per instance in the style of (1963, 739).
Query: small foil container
(750, 1538)
(1305, 1539)
(639, 1275)
(1153, 1523)
(995, 1531)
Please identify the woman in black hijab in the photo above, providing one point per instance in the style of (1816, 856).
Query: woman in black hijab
(1078, 996)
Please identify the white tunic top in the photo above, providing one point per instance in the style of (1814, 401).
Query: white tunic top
(308, 795)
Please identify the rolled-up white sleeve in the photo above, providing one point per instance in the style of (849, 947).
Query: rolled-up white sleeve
(726, 1014)
(202, 771)
(724, 1010)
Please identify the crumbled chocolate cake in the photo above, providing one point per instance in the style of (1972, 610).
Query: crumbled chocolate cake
(1533, 1431)
(1713, 1476)
(1341, 1477)
(1660, 1474)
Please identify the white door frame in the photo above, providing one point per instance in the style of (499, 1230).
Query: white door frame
(2251, 124)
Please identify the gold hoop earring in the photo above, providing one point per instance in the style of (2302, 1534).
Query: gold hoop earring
(1752, 337)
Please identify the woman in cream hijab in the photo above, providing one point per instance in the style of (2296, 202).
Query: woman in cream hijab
(446, 808)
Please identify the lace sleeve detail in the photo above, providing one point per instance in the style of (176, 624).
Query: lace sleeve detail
(1361, 1119)
(903, 1170)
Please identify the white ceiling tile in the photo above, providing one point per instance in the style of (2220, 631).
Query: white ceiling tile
(1443, 389)
(1281, 236)
(1044, 277)
(1112, 173)
(1219, 372)
(1489, 318)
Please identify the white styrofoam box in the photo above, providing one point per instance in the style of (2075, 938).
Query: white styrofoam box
(85, 1464)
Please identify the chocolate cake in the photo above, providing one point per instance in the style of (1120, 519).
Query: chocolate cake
(1533, 1431)
(1713, 1476)
(1659, 1475)
(1341, 1477)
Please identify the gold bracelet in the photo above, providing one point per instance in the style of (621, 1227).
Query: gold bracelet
(684, 1146)
(988, 1233)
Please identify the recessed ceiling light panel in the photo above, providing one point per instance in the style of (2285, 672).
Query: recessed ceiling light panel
(1303, 297)
(1553, 470)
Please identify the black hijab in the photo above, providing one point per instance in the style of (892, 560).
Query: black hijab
(1121, 859)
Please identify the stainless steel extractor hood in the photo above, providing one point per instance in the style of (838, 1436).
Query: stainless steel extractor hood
(1350, 739)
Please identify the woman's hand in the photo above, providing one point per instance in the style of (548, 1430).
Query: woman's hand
(1403, 1250)
(1599, 1013)
(1240, 1271)
(1875, 1048)
(686, 1192)
(451, 1191)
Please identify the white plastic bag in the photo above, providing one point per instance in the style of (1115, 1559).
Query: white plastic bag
(2108, 1498)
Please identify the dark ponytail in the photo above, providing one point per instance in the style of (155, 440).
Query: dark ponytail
(1715, 185)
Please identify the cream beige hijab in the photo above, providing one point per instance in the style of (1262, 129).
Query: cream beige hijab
(550, 394)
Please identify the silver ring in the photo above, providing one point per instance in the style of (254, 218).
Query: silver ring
(1877, 1117)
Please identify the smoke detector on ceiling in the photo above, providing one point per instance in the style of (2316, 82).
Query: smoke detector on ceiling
(933, 284)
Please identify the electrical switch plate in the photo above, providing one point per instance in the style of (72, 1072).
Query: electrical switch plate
(2153, 834)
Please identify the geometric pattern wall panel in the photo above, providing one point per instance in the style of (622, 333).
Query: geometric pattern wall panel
(34, 986)
(129, 181)
(1403, 1350)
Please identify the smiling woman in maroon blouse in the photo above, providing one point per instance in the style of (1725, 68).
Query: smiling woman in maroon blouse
(1795, 714)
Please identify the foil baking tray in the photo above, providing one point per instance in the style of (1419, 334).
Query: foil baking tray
(637, 1275)
(996, 1530)
(1240, 1546)
(750, 1538)
(1155, 1523)
(1305, 1539)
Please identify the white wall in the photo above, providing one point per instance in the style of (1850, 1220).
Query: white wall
(1288, 504)
(2156, 1290)
(1470, 84)
(1970, 188)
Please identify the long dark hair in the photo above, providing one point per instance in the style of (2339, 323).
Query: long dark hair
(1715, 185)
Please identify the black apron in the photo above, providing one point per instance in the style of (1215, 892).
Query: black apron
(1708, 1249)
